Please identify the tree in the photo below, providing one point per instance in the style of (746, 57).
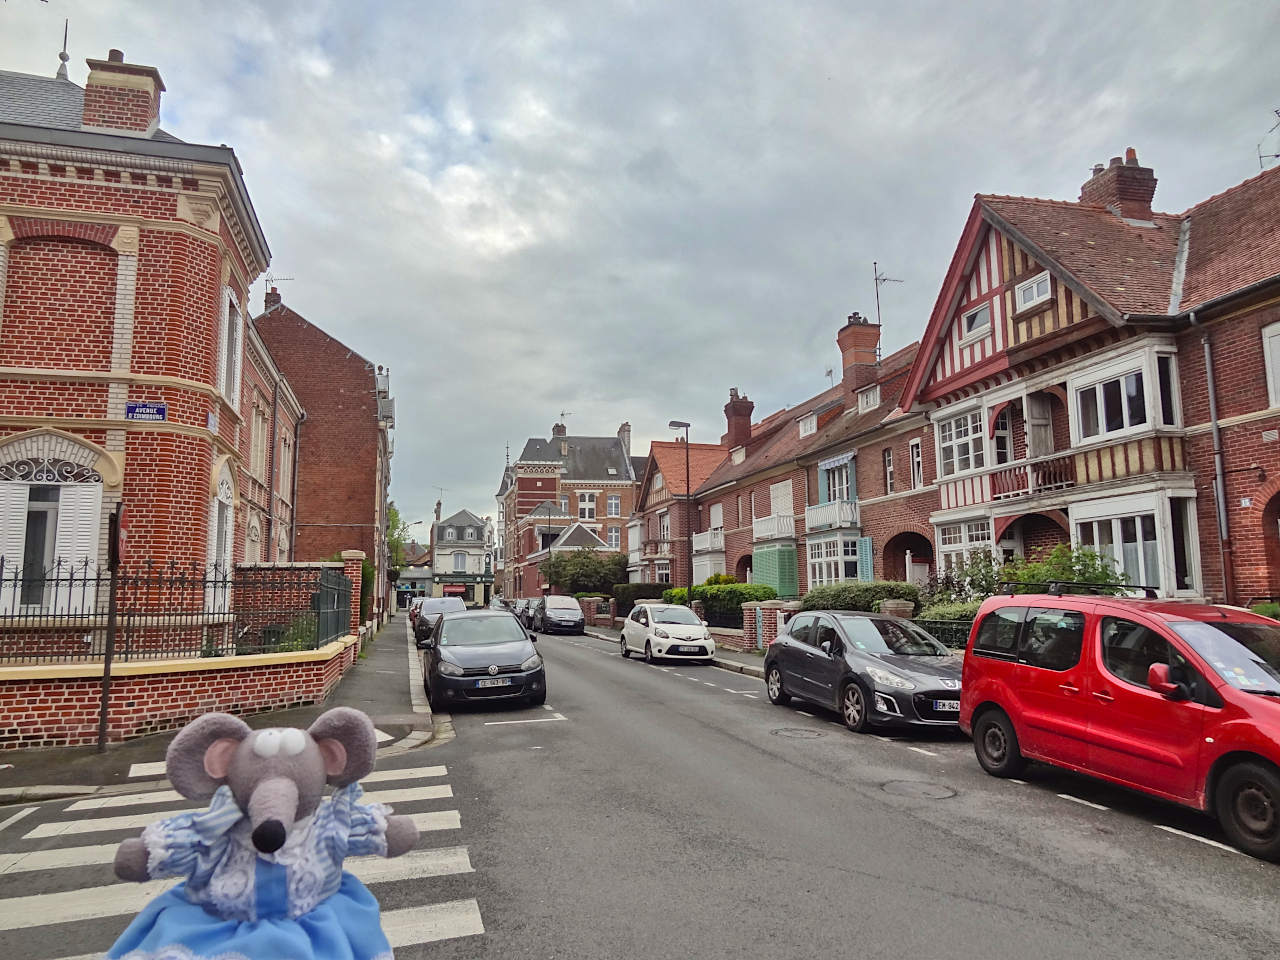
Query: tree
(585, 571)
(397, 534)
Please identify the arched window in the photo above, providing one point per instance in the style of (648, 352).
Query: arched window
(471, 533)
(221, 516)
(450, 534)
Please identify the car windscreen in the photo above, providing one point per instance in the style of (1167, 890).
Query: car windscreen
(1246, 655)
(891, 636)
(562, 603)
(476, 631)
(675, 615)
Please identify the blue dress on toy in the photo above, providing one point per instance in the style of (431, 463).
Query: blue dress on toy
(239, 904)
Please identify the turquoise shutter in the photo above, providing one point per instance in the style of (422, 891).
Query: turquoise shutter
(824, 493)
(866, 570)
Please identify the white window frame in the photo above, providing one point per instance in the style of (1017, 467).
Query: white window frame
(564, 503)
(586, 506)
(917, 463)
(613, 505)
(657, 480)
(869, 398)
(968, 333)
(886, 457)
(1154, 502)
(1271, 362)
(980, 433)
(809, 425)
(664, 525)
(1005, 433)
(1019, 304)
(460, 557)
(230, 347)
(830, 560)
(1135, 360)
(715, 517)
(662, 571)
(614, 538)
(777, 498)
(469, 533)
(450, 533)
(838, 482)
(957, 539)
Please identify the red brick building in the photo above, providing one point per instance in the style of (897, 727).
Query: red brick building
(126, 258)
(344, 447)
(666, 515)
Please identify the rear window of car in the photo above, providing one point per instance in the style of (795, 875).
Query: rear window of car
(998, 633)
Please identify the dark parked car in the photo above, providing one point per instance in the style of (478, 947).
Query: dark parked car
(520, 607)
(555, 614)
(873, 669)
(430, 609)
(481, 655)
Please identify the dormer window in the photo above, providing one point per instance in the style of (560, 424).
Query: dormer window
(869, 398)
(738, 454)
(613, 471)
(809, 425)
(1033, 291)
(450, 534)
(977, 321)
(657, 481)
(471, 533)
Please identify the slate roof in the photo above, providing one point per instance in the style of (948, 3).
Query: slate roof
(540, 511)
(638, 466)
(37, 101)
(579, 536)
(461, 520)
(589, 458)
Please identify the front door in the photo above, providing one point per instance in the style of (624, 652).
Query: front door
(1053, 686)
(1137, 735)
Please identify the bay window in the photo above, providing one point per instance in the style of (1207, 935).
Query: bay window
(1137, 391)
(1112, 405)
(957, 540)
(960, 446)
(832, 560)
(1150, 538)
(1130, 543)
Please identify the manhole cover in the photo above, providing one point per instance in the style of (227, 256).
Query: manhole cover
(918, 790)
(797, 733)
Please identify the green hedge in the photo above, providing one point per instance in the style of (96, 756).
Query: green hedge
(1268, 609)
(589, 596)
(723, 602)
(859, 595)
(628, 593)
(961, 610)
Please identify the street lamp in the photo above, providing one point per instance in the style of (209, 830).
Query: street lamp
(688, 519)
(549, 505)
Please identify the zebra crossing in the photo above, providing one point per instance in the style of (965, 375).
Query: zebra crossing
(60, 899)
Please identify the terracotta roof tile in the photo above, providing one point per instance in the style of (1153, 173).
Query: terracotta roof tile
(1234, 239)
(668, 457)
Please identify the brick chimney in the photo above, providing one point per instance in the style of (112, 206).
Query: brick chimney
(559, 430)
(121, 98)
(737, 413)
(859, 342)
(1124, 187)
(624, 434)
(272, 299)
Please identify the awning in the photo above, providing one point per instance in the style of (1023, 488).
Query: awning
(832, 462)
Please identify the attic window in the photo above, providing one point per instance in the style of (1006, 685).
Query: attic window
(1033, 291)
(869, 398)
(657, 481)
(738, 454)
(809, 425)
(613, 471)
(976, 321)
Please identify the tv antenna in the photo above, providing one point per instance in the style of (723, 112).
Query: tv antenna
(441, 491)
(831, 375)
(1268, 156)
(880, 280)
(272, 279)
(565, 414)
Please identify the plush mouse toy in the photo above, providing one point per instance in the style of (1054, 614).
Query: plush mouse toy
(263, 864)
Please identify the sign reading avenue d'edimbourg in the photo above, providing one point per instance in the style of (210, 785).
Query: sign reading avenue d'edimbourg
(138, 410)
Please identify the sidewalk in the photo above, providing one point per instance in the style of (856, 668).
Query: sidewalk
(750, 664)
(379, 684)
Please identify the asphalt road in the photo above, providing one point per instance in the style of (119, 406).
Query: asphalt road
(674, 812)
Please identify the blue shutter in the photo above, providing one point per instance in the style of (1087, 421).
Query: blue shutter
(824, 492)
(866, 570)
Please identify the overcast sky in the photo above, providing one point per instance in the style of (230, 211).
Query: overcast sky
(623, 209)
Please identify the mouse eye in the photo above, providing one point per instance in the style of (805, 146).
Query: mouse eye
(292, 742)
(267, 743)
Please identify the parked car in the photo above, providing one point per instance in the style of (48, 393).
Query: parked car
(876, 670)
(415, 603)
(431, 609)
(497, 603)
(481, 655)
(1178, 700)
(555, 614)
(520, 608)
(666, 630)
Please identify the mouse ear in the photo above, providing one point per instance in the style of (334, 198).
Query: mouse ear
(200, 754)
(348, 743)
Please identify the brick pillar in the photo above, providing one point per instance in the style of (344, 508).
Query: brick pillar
(750, 611)
(352, 566)
(700, 609)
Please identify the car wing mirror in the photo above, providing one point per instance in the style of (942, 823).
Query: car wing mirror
(533, 637)
(1158, 680)
(705, 624)
(426, 643)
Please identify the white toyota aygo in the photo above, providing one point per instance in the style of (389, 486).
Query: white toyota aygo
(666, 630)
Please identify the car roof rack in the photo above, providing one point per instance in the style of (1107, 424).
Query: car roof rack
(1057, 588)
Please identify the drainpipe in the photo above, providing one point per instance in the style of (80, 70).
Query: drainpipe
(271, 467)
(297, 465)
(1219, 470)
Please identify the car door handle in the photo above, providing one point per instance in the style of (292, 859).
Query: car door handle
(1070, 688)
(1103, 696)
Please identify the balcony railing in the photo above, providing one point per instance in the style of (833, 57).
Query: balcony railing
(657, 548)
(711, 541)
(828, 516)
(1033, 477)
(781, 526)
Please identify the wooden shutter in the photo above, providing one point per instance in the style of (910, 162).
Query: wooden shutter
(1039, 426)
(780, 504)
(866, 568)
(76, 546)
(824, 486)
(717, 516)
(13, 538)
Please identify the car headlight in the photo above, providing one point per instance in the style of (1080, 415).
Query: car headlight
(661, 634)
(450, 669)
(890, 679)
(533, 663)
(706, 634)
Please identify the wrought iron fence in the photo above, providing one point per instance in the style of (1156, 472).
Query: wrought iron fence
(949, 633)
(59, 613)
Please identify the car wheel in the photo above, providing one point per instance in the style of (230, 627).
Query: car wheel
(996, 744)
(648, 652)
(773, 686)
(624, 649)
(853, 707)
(1248, 804)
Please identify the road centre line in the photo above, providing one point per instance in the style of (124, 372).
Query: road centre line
(739, 691)
(708, 683)
(1021, 783)
(927, 753)
(1083, 803)
(1204, 840)
(17, 816)
(503, 723)
(751, 696)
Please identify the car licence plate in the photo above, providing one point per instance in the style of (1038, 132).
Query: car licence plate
(947, 706)
(688, 649)
(506, 682)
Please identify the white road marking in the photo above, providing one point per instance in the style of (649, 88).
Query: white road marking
(1022, 783)
(1204, 840)
(751, 696)
(434, 791)
(146, 769)
(436, 921)
(803, 714)
(884, 739)
(100, 825)
(547, 706)
(417, 692)
(503, 723)
(128, 800)
(405, 773)
(739, 691)
(383, 736)
(17, 913)
(437, 820)
(1083, 803)
(927, 753)
(17, 816)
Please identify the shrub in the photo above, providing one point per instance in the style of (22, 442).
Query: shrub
(677, 595)
(1268, 609)
(959, 610)
(589, 596)
(858, 595)
(628, 593)
(717, 579)
(585, 570)
(722, 602)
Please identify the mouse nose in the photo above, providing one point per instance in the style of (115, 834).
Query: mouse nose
(268, 836)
